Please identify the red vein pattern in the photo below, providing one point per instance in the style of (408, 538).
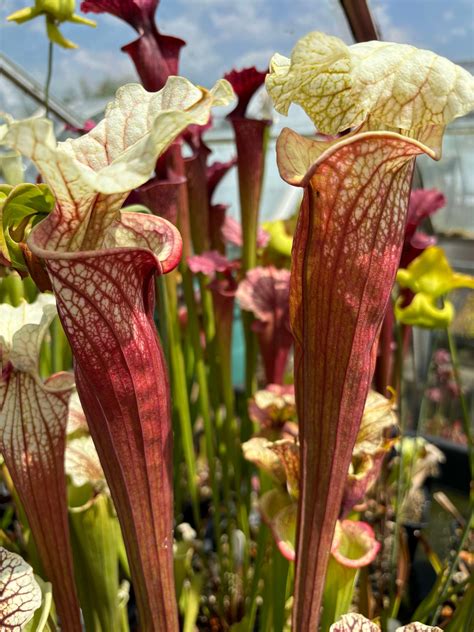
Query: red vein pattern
(20, 594)
(32, 442)
(105, 302)
(345, 254)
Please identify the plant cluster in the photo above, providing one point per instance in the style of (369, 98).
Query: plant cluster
(142, 491)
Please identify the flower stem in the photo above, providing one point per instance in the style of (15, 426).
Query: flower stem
(49, 75)
(203, 400)
(181, 399)
(447, 582)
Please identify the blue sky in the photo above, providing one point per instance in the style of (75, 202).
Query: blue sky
(222, 34)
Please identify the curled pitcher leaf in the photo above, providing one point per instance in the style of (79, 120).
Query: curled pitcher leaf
(101, 262)
(354, 544)
(20, 594)
(33, 417)
(91, 176)
(384, 85)
(395, 101)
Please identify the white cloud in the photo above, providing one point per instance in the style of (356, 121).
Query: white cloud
(200, 59)
(258, 58)
(390, 31)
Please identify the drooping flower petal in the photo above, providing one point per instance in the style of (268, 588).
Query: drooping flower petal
(429, 276)
(396, 86)
(423, 311)
(33, 417)
(55, 12)
(155, 55)
(20, 594)
(265, 293)
(101, 262)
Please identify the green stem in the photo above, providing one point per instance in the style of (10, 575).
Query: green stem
(447, 582)
(12, 290)
(61, 359)
(203, 398)
(180, 395)
(250, 354)
(49, 75)
(280, 573)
